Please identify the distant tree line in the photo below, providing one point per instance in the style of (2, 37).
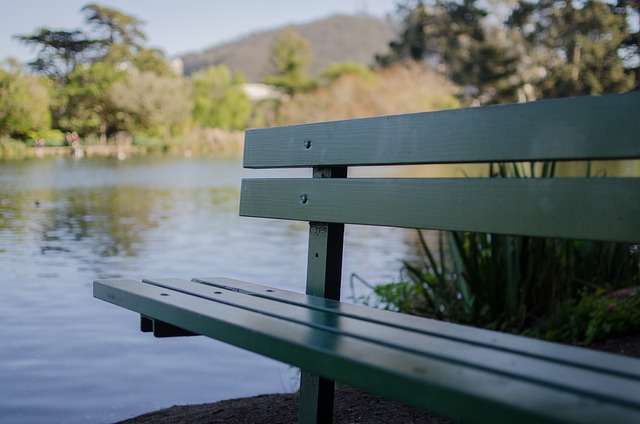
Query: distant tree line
(101, 80)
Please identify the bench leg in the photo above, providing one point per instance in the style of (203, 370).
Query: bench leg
(324, 270)
(315, 401)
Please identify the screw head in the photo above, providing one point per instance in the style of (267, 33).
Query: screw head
(303, 199)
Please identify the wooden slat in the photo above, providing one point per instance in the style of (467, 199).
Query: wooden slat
(458, 379)
(605, 127)
(549, 370)
(509, 343)
(579, 208)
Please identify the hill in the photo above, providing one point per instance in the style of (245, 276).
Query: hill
(334, 39)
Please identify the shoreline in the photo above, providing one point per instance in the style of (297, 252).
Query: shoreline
(351, 405)
(106, 150)
(205, 142)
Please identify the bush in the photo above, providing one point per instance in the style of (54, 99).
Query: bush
(50, 137)
(520, 284)
(551, 288)
(14, 149)
(356, 95)
(591, 319)
(431, 288)
(339, 70)
(152, 144)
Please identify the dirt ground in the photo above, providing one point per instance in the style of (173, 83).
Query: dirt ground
(351, 405)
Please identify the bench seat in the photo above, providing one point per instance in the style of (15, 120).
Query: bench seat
(461, 372)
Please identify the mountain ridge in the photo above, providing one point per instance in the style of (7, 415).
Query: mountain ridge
(336, 38)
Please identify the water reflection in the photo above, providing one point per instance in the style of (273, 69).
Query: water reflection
(66, 357)
(69, 358)
(96, 210)
(108, 222)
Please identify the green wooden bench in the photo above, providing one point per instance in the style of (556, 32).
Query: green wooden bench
(460, 372)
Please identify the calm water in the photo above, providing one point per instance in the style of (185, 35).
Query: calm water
(68, 358)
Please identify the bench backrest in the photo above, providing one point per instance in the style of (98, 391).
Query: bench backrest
(584, 128)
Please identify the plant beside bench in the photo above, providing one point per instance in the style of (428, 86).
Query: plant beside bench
(461, 372)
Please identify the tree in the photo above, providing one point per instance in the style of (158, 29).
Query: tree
(339, 70)
(152, 60)
(24, 103)
(414, 43)
(630, 49)
(580, 41)
(60, 51)
(114, 26)
(562, 48)
(290, 58)
(219, 101)
(87, 106)
(86, 63)
(122, 39)
(454, 37)
(151, 103)
(112, 36)
(475, 54)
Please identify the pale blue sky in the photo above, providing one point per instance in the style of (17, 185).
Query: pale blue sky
(175, 26)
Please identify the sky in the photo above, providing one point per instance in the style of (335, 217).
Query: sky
(176, 27)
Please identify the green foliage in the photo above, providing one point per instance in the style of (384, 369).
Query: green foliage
(432, 288)
(219, 101)
(590, 319)
(86, 105)
(338, 70)
(453, 37)
(86, 64)
(151, 144)
(630, 49)
(513, 283)
(152, 60)
(151, 104)
(113, 26)
(24, 104)
(416, 40)
(60, 51)
(516, 280)
(49, 137)
(581, 40)
(290, 58)
(122, 40)
(545, 48)
(14, 149)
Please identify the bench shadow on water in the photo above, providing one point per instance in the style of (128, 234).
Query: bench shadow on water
(67, 357)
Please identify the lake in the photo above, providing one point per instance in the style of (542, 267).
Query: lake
(66, 357)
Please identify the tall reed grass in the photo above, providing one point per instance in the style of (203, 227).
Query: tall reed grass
(509, 283)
